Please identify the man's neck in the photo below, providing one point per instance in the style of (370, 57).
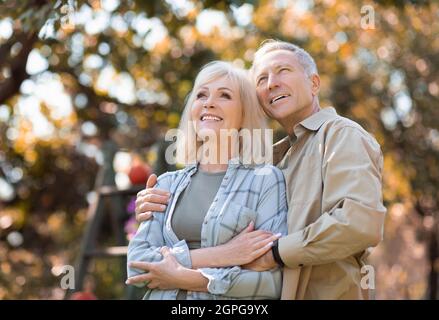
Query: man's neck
(290, 123)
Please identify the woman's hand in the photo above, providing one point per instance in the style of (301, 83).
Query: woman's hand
(165, 274)
(150, 199)
(248, 246)
(263, 263)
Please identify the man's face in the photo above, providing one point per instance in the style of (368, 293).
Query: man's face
(284, 90)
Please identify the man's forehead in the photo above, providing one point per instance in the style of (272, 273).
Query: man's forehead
(274, 58)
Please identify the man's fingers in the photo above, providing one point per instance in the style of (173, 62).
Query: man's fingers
(152, 180)
(143, 266)
(144, 210)
(148, 206)
(155, 198)
(160, 192)
(144, 216)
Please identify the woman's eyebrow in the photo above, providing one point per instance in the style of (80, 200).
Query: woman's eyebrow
(225, 88)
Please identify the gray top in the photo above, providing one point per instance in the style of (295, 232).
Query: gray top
(191, 208)
(193, 204)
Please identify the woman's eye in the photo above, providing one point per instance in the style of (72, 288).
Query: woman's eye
(225, 95)
(283, 69)
(200, 95)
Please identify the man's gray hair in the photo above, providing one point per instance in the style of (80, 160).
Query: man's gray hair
(304, 58)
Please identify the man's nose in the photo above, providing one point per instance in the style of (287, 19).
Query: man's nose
(272, 82)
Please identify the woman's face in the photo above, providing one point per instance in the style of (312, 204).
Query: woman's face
(217, 106)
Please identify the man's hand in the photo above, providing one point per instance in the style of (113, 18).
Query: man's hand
(248, 245)
(149, 200)
(263, 263)
(162, 275)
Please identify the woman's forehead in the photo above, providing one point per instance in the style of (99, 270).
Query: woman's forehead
(220, 82)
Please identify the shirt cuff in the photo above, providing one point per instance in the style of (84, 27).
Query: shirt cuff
(220, 279)
(291, 250)
(181, 252)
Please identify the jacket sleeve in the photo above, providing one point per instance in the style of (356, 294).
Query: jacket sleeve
(234, 282)
(352, 173)
(145, 245)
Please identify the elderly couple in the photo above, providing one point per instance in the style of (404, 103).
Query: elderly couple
(301, 230)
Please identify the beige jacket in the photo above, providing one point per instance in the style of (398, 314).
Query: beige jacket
(332, 168)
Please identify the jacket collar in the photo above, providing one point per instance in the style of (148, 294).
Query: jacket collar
(312, 123)
(316, 120)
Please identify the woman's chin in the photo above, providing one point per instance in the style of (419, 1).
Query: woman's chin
(204, 132)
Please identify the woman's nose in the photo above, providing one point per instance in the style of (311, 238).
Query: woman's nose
(210, 103)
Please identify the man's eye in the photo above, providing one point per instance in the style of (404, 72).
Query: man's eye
(261, 80)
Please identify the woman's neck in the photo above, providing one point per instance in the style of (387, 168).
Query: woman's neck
(217, 159)
(212, 167)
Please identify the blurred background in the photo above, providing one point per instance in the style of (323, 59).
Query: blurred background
(88, 89)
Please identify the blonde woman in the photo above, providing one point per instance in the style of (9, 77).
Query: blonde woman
(217, 196)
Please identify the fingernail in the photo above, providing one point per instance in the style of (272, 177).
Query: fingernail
(127, 282)
(162, 207)
(278, 234)
(270, 244)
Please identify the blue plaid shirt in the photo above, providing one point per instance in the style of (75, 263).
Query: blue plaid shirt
(246, 193)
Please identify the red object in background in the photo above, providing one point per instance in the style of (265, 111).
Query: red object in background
(139, 174)
(82, 295)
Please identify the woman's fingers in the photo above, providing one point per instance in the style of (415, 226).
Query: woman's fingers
(258, 233)
(267, 237)
(141, 278)
(139, 265)
(153, 285)
(260, 252)
(247, 229)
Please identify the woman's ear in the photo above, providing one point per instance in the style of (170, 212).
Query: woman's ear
(315, 82)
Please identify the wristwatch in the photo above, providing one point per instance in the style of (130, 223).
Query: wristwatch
(276, 255)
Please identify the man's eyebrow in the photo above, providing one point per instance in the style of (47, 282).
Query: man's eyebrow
(275, 66)
(285, 64)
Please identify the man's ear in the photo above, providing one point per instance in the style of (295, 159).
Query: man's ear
(315, 80)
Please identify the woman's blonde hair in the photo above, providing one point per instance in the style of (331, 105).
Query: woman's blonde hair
(252, 117)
